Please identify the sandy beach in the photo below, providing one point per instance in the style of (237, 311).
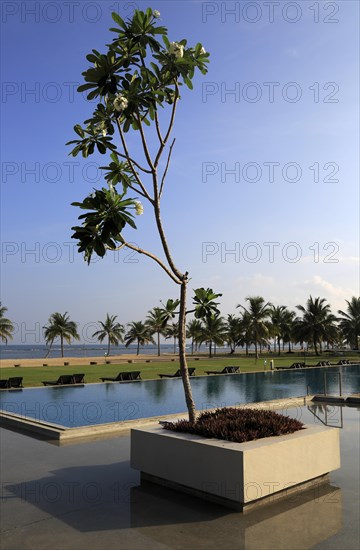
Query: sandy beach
(115, 359)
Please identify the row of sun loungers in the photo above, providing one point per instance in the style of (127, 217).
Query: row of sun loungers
(177, 374)
(70, 379)
(13, 382)
(65, 380)
(319, 364)
(226, 370)
(124, 377)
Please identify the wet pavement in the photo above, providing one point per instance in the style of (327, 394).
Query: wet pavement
(85, 495)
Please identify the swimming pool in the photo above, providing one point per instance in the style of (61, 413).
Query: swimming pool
(93, 404)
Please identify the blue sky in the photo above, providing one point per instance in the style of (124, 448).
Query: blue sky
(262, 195)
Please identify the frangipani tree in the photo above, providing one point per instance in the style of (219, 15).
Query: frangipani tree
(137, 77)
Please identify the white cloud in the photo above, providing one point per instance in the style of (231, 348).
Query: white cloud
(334, 294)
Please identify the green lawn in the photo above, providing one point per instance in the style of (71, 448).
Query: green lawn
(33, 376)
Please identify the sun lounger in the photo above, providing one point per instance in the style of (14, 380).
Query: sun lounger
(63, 380)
(4, 384)
(78, 378)
(344, 362)
(297, 366)
(16, 382)
(131, 375)
(177, 374)
(226, 370)
(124, 377)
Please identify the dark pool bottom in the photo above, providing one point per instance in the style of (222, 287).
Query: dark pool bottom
(94, 404)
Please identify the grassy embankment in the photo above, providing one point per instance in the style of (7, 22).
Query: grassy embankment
(33, 376)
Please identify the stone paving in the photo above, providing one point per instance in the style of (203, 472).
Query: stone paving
(85, 495)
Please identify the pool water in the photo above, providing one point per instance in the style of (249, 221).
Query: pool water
(75, 406)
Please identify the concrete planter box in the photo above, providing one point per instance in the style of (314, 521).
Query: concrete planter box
(239, 475)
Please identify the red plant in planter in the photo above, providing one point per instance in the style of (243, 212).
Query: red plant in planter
(238, 425)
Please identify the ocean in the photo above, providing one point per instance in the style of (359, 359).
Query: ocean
(23, 351)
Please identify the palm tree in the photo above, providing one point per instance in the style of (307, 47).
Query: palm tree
(246, 338)
(233, 331)
(138, 332)
(60, 327)
(317, 323)
(156, 322)
(6, 326)
(193, 331)
(350, 322)
(172, 331)
(281, 320)
(213, 332)
(111, 330)
(258, 312)
(287, 327)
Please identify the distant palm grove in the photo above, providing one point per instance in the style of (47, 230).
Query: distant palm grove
(258, 323)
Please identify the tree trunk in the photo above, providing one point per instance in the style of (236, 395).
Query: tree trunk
(315, 346)
(278, 345)
(158, 342)
(48, 353)
(182, 354)
(138, 347)
(62, 345)
(256, 349)
(108, 350)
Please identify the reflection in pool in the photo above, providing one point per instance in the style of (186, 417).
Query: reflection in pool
(74, 406)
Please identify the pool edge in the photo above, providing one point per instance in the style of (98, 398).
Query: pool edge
(63, 434)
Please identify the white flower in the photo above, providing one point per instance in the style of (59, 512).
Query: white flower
(156, 14)
(104, 133)
(202, 51)
(139, 209)
(120, 103)
(176, 49)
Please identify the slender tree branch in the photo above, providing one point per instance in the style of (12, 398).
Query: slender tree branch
(144, 142)
(176, 99)
(158, 127)
(171, 124)
(128, 158)
(150, 255)
(166, 168)
(132, 161)
(138, 191)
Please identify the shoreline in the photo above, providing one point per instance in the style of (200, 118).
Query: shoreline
(59, 361)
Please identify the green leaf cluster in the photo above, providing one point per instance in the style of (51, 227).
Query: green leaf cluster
(102, 226)
(205, 306)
